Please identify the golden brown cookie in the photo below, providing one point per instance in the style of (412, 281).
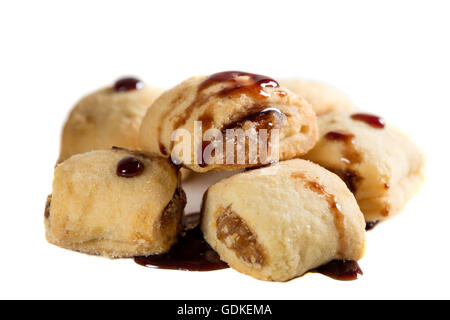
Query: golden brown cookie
(115, 203)
(108, 117)
(223, 102)
(379, 164)
(323, 97)
(278, 222)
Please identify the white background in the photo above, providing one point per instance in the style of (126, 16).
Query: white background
(391, 57)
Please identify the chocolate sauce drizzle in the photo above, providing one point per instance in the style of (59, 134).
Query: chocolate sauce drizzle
(237, 83)
(350, 157)
(349, 176)
(340, 136)
(343, 270)
(128, 84)
(129, 167)
(264, 118)
(192, 253)
(371, 224)
(253, 86)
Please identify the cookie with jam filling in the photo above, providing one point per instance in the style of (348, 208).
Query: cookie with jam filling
(278, 222)
(379, 164)
(228, 102)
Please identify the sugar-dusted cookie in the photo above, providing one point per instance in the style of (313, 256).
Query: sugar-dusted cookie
(115, 203)
(228, 101)
(108, 117)
(379, 164)
(323, 97)
(278, 222)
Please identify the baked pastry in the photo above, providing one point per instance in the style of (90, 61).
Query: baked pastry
(222, 102)
(278, 222)
(115, 203)
(108, 117)
(323, 97)
(379, 164)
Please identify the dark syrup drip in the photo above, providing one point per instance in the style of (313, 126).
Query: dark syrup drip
(339, 136)
(191, 252)
(350, 154)
(129, 167)
(263, 117)
(253, 86)
(350, 178)
(372, 120)
(371, 224)
(350, 157)
(128, 84)
(237, 83)
(163, 149)
(343, 270)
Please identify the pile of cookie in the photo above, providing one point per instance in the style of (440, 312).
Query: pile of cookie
(118, 185)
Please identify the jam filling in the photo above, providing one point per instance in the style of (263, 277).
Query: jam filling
(370, 119)
(190, 253)
(128, 84)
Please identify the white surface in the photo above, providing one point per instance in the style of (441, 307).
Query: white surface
(391, 57)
